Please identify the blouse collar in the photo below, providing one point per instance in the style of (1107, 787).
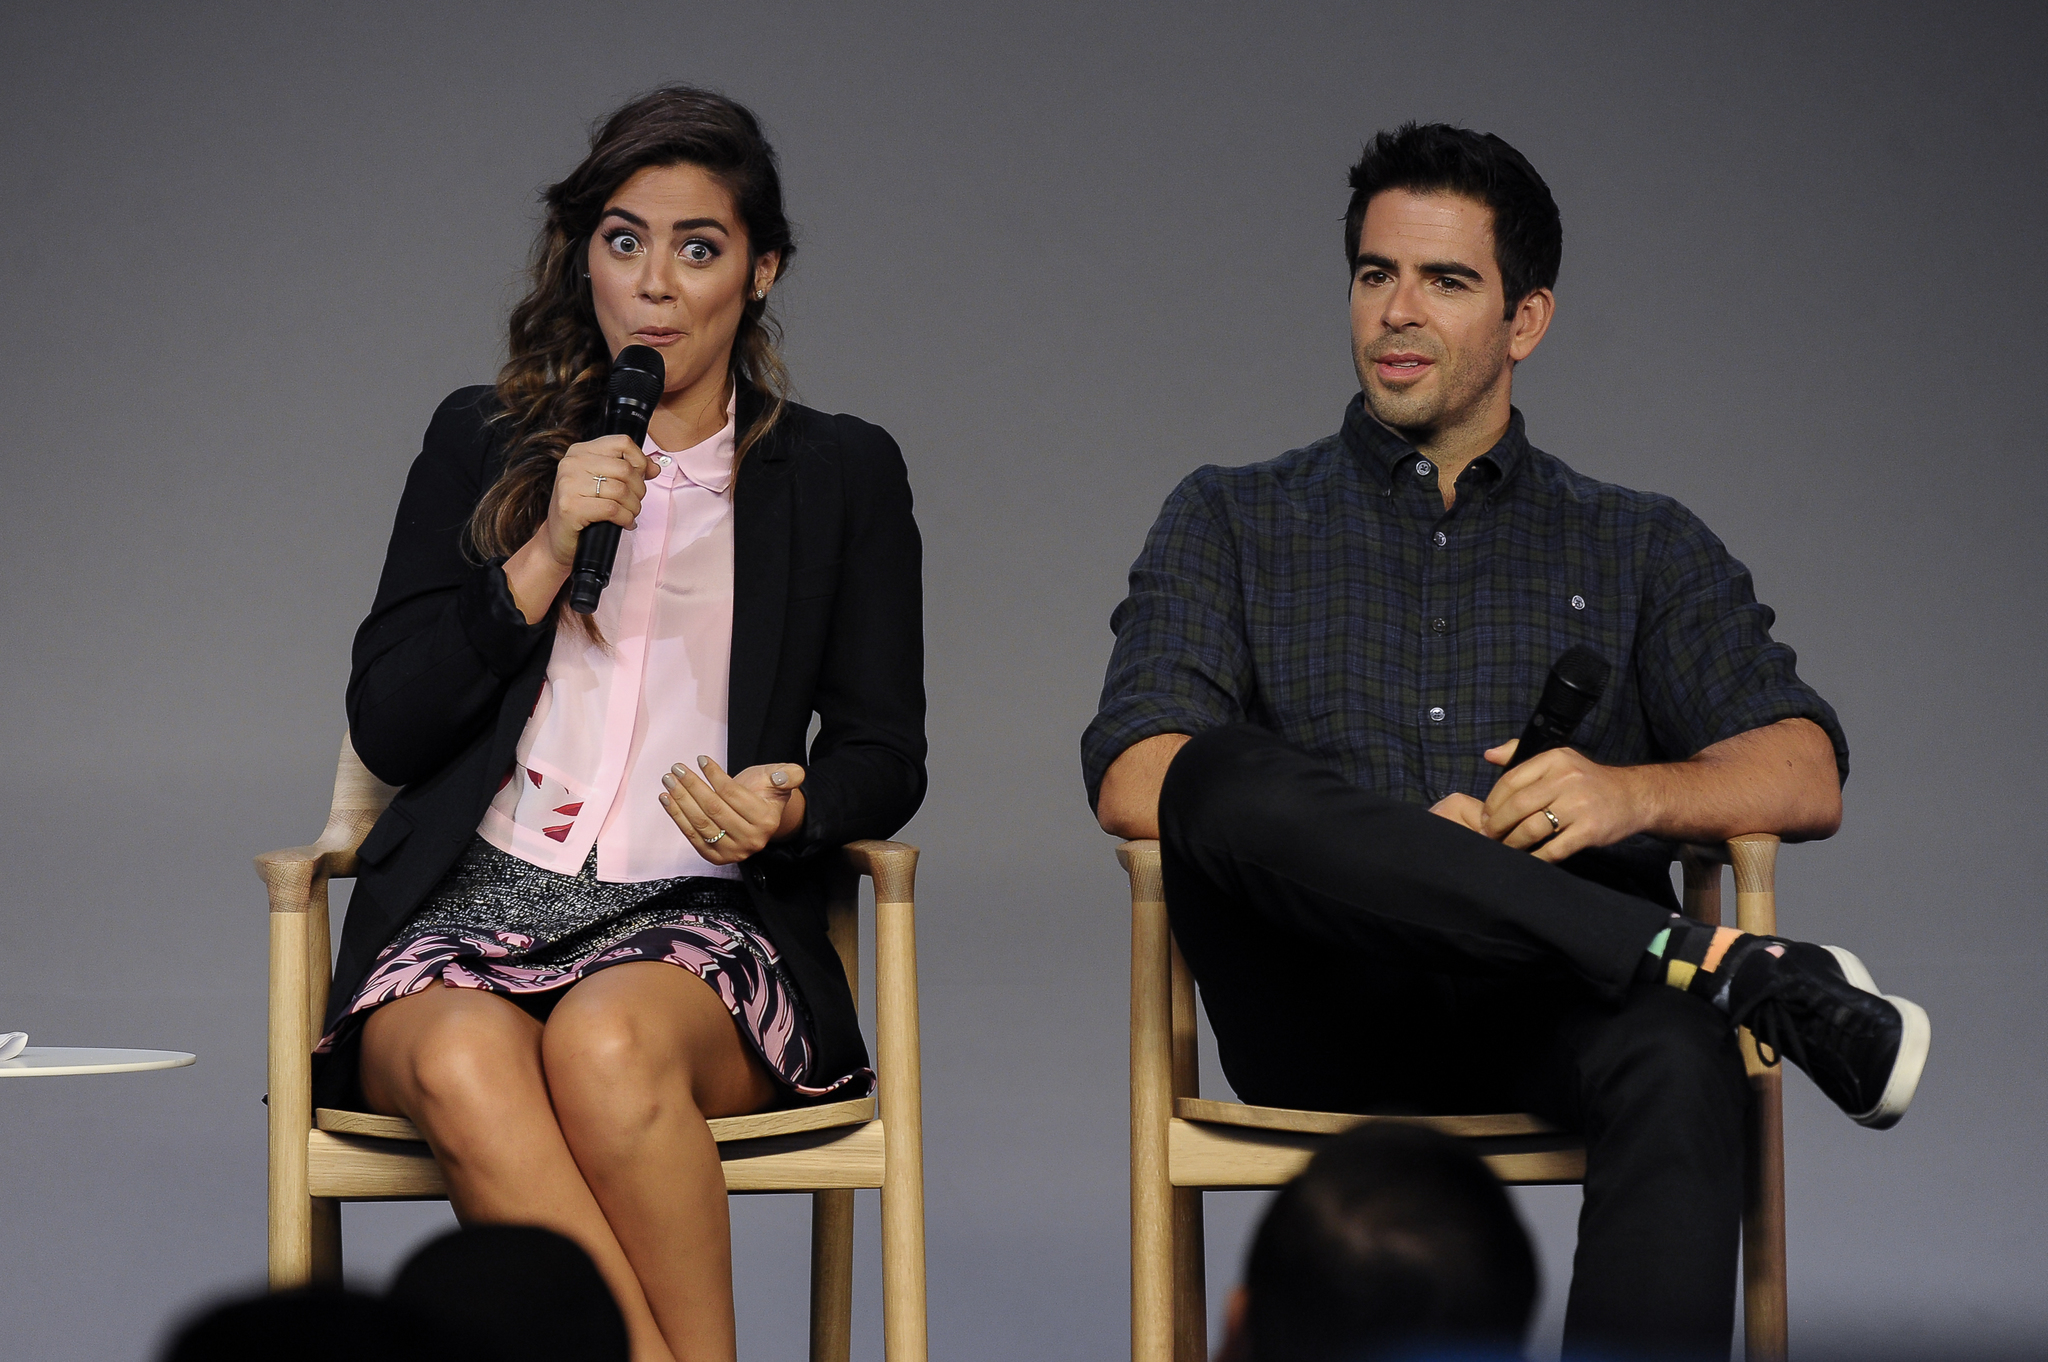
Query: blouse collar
(708, 464)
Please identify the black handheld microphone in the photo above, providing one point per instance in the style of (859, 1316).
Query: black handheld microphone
(1575, 686)
(629, 401)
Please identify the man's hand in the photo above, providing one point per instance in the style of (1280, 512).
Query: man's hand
(1463, 810)
(1580, 799)
(1594, 805)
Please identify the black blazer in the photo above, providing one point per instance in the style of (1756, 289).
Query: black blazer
(827, 617)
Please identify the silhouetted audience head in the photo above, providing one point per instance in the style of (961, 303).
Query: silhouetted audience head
(312, 1326)
(1395, 1242)
(517, 1292)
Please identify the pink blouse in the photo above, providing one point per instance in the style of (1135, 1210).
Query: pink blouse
(613, 717)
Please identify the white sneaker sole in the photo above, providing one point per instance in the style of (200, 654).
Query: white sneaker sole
(1913, 1042)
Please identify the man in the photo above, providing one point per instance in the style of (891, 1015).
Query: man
(1394, 1242)
(1313, 657)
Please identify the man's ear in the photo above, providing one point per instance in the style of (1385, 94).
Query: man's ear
(1531, 320)
(1237, 1341)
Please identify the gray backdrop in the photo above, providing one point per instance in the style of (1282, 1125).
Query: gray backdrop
(1065, 255)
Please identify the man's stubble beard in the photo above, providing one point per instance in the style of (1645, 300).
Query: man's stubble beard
(1462, 385)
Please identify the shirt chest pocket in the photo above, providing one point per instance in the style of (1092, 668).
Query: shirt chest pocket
(1563, 611)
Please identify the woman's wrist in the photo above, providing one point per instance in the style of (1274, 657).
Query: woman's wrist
(535, 578)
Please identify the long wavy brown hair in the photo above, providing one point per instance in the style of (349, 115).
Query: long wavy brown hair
(553, 383)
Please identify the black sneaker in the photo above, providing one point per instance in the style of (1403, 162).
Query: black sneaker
(1820, 1007)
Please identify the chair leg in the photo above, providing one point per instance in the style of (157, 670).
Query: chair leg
(903, 1295)
(291, 1241)
(831, 1276)
(325, 1223)
(290, 1116)
(904, 1337)
(1763, 1224)
(1152, 1195)
(1152, 1262)
(1190, 1278)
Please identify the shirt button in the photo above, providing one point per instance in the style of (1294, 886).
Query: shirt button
(1439, 539)
(1578, 602)
(1436, 714)
(1422, 468)
(1439, 625)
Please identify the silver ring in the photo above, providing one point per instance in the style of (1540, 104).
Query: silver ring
(1555, 826)
(601, 481)
(714, 841)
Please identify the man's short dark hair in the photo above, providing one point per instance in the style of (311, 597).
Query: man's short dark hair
(1436, 158)
(1395, 1237)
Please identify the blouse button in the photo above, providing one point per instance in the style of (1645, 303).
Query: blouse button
(1578, 602)
(1439, 539)
(1422, 468)
(1436, 714)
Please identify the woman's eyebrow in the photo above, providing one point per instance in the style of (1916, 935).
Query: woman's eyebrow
(679, 225)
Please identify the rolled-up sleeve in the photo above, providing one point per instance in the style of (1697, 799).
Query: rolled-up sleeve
(1181, 663)
(1707, 664)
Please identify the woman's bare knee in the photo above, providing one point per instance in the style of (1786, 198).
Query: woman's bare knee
(628, 1047)
(453, 1061)
(609, 1068)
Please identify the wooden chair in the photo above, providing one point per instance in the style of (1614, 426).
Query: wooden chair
(319, 1159)
(1183, 1145)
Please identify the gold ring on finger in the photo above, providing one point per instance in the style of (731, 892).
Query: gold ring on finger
(1555, 826)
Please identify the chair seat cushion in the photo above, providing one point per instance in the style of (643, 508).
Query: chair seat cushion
(724, 1129)
(1337, 1122)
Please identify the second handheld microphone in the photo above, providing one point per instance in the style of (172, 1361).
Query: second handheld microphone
(1575, 685)
(630, 396)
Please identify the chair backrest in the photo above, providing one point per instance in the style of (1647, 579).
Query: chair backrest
(359, 798)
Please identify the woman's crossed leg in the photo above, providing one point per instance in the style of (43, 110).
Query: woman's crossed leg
(592, 1125)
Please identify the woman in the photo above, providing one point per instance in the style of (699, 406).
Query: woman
(593, 917)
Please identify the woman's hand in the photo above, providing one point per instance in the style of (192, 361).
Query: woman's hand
(729, 818)
(603, 479)
(598, 480)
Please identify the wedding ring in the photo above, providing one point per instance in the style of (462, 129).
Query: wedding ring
(1555, 826)
(601, 481)
(714, 841)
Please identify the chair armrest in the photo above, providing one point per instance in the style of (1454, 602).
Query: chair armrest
(1759, 849)
(891, 865)
(1140, 861)
(1755, 858)
(292, 873)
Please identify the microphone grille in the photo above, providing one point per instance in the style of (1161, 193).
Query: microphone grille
(637, 375)
(1583, 669)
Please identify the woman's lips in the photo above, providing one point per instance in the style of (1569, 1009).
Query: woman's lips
(659, 336)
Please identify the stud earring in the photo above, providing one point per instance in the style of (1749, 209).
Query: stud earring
(759, 294)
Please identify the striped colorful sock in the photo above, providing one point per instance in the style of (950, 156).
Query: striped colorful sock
(1703, 960)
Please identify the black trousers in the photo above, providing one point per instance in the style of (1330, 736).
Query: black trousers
(1359, 954)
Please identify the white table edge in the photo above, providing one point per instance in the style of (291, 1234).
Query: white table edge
(52, 1065)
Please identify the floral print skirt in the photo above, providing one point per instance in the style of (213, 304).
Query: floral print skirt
(506, 926)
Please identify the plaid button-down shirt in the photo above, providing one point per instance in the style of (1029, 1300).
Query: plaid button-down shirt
(1329, 597)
